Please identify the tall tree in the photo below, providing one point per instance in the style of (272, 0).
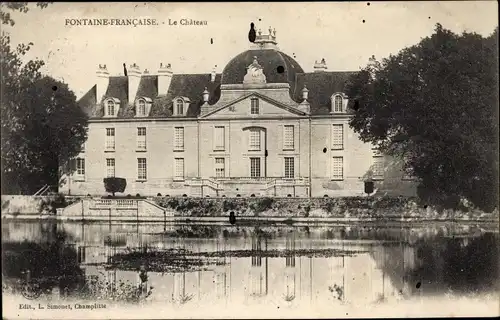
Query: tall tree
(435, 105)
(40, 120)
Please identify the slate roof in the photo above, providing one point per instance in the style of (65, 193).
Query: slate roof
(88, 100)
(270, 60)
(190, 86)
(321, 86)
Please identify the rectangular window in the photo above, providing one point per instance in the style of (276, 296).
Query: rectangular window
(254, 139)
(179, 138)
(337, 168)
(141, 169)
(111, 108)
(141, 138)
(378, 167)
(179, 107)
(289, 168)
(80, 167)
(220, 167)
(110, 138)
(219, 139)
(110, 167)
(179, 168)
(288, 137)
(255, 167)
(338, 137)
(254, 108)
(83, 147)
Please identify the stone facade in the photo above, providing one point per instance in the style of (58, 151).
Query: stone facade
(263, 127)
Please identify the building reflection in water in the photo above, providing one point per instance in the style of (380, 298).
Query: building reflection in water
(385, 270)
(290, 271)
(258, 275)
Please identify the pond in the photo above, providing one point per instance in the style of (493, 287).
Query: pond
(223, 267)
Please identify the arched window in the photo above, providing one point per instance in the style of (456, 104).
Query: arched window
(141, 108)
(179, 107)
(337, 103)
(111, 108)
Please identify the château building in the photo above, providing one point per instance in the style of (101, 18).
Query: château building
(261, 127)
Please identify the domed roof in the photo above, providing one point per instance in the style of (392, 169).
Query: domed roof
(277, 66)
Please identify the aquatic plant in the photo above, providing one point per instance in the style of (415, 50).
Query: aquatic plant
(338, 291)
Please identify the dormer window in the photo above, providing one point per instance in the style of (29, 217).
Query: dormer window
(179, 107)
(110, 108)
(141, 108)
(338, 102)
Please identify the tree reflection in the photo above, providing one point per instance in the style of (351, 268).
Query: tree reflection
(49, 262)
(441, 265)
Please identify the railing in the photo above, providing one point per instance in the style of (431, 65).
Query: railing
(108, 203)
(244, 179)
(43, 190)
(198, 182)
(212, 184)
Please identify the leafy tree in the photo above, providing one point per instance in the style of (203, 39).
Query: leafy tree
(114, 185)
(42, 126)
(435, 106)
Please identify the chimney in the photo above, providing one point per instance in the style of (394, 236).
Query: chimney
(164, 77)
(102, 82)
(134, 77)
(213, 74)
(321, 66)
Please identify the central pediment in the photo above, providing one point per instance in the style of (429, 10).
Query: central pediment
(254, 105)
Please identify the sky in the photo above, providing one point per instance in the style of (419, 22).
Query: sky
(309, 31)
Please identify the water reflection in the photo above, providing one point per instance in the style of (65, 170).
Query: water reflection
(185, 263)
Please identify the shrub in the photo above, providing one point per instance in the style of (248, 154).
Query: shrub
(114, 185)
(173, 203)
(52, 205)
(307, 209)
(228, 205)
(263, 204)
(158, 194)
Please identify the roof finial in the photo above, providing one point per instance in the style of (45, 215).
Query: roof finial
(270, 31)
(260, 32)
(205, 95)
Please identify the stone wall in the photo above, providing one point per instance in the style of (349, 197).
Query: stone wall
(13, 204)
(355, 207)
(17, 204)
